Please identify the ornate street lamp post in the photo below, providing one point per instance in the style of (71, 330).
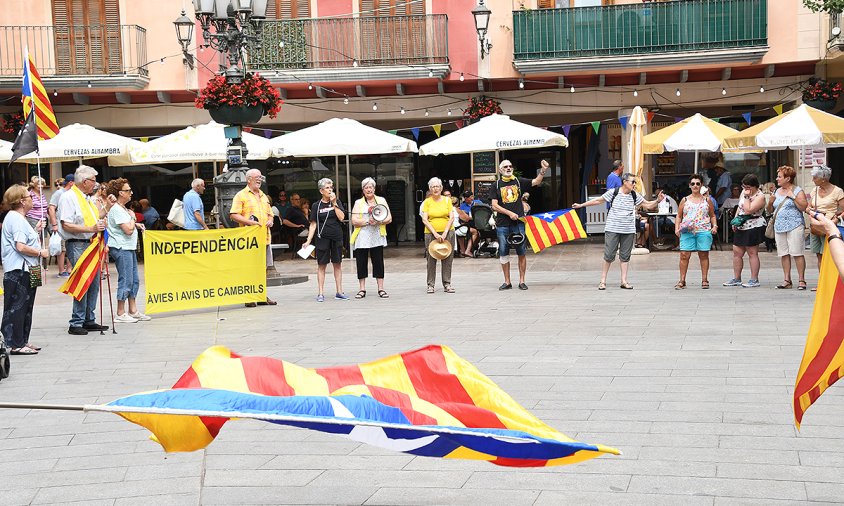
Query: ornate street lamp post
(482, 13)
(232, 27)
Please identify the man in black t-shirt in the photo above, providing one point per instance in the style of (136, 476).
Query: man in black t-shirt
(506, 198)
(326, 222)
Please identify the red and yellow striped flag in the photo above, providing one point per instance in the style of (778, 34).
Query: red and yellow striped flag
(86, 270)
(553, 227)
(35, 96)
(823, 356)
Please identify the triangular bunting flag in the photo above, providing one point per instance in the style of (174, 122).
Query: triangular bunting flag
(650, 116)
(778, 109)
(623, 121)
(393, 131)
(268, 133)
(677, 119)
(437, 129)
(566, 130)
(596, 125)
(746, 117)
(247, 129)
(716, 120)
(459, 123)
(143, 139)
(415, 132)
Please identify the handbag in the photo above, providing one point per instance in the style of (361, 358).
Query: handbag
(769, 230)
(176, 216)
(739, 219)
(817, 230)
(35, 279)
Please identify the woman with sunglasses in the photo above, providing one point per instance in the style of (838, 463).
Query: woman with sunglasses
(122, 248)
(748, 232)
(695, 227)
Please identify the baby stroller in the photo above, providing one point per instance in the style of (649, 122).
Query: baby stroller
(485, 225)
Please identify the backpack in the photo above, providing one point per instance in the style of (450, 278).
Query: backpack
(4, 360)
(615, 193)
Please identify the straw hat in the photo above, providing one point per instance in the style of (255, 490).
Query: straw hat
(439, 250)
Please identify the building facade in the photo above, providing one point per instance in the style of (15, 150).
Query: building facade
(576, 66)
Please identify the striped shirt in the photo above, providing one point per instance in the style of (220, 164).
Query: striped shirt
(621, 217)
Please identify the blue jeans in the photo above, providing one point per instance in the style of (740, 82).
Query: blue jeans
(83, 310)
(503, 232)
(126, 261)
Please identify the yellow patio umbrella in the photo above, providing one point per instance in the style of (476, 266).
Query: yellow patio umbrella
(696, 133)
(635, 151)
(799, 128)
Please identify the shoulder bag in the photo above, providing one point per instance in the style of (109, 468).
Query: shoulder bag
(769, 230)
(817, 230)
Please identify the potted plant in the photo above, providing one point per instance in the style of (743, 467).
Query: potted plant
(822, 94)
(480, 107)
(239, 103)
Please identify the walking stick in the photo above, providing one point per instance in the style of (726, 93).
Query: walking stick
(100, 276)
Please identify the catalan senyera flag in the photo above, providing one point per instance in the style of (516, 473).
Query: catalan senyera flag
(87, 268)
(36, 97)
(553, 227)
(823, 356)
(428, 402)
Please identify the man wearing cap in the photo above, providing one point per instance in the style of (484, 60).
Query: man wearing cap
(464, 214)
(251, 206)
(52, 209)
(722, 188)
(506, 198)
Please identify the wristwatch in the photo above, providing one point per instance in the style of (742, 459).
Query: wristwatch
(834, 236)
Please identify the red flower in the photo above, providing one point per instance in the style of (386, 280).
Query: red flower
(482, 106)
(822, 90)
(12, 123)
(254, 90)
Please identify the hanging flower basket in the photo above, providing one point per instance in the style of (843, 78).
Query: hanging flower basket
(822, 94)
(480, 107)
(242, 103)
(12, 123)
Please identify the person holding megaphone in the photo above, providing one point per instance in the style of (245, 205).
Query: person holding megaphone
(370, 217)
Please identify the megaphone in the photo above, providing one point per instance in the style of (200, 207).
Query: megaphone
(515, 239)
(379, 212)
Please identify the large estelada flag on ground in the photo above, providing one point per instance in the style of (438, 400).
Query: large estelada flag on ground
(823, 357)
(36, 97)
(554, 227)
(428, 402)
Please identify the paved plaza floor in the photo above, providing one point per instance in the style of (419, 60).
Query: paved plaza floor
(693, 386)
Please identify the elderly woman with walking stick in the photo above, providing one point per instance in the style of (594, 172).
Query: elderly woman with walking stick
(122, 249)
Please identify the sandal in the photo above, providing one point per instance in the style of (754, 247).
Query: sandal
(626, 286)
(430, 289)
(361, 294)
(23, 351)
(602, 286)
(785, 285)
(801, 285)
(704, 284)
(679, 286)
(448, 289)
(383, 294)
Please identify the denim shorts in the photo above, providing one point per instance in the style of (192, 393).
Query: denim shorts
(503, 231)
(701, 241)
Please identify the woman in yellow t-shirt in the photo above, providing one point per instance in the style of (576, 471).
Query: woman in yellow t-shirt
(437, 216)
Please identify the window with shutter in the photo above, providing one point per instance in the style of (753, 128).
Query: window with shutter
(392, 31)
(87, 34)
(288, 9)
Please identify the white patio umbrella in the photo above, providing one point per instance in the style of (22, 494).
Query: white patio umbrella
(79, 142)
(5, 150)
(799, 128)
(493, 133)
(340, 137)
(202, 143)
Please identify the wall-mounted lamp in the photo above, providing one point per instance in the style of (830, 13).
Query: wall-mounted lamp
(184, 33)
(481, 13)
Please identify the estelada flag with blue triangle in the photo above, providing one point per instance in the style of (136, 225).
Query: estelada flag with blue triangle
(554, 227)
(428, 402)
(35, 97)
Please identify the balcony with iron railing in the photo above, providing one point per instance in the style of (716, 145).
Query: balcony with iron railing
(73, 56)
(640, 35)
(356, 48)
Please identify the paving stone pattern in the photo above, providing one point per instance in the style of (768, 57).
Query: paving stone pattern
(693, 386)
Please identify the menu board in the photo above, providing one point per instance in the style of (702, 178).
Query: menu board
(482, 189)
(483, 162)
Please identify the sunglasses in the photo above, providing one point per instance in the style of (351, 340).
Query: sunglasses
(631, 181)
(695, 184)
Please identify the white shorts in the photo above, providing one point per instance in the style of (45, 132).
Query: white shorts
(790, 243)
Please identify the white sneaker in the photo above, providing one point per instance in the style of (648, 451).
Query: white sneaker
(140, 316)
(125, 318)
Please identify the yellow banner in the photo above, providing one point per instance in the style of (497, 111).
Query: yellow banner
(189, 269)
